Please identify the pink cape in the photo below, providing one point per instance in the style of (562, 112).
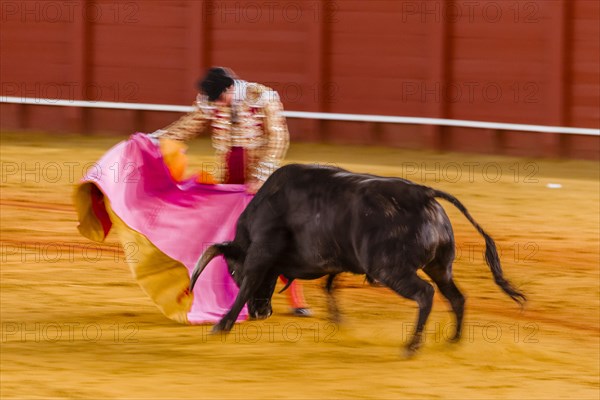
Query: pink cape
(179, 218)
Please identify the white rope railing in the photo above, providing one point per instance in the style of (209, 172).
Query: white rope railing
(315, 115)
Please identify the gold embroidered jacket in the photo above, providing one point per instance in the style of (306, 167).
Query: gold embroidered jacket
(253, 121)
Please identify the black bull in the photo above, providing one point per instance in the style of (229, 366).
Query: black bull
(310, 221)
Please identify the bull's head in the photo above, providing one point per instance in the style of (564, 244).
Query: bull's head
(259, 302)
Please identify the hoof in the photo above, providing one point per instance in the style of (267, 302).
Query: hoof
(222, 327)
(412, 348)
(335, 318)
(454, 339)
(410, 352)
(258, 316)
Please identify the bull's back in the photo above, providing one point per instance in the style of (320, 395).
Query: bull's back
(335, 216)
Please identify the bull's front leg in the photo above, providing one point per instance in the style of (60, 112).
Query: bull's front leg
(260, 256)
(242, 298)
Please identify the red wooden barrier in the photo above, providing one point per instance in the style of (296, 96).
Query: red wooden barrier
(532, 62)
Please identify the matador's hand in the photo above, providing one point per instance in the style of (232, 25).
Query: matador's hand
(252, 186)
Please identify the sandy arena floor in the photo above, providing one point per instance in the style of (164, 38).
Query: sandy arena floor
(74, 324)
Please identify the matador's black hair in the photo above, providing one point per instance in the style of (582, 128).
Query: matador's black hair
(216, 81)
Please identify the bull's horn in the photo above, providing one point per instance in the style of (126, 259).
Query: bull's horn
(208, 255)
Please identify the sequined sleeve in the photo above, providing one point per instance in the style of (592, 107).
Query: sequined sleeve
(187, 127)
(278, 139)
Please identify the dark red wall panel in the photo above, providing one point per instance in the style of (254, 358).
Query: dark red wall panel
(585, 65)
(532, 62)
(579, 146)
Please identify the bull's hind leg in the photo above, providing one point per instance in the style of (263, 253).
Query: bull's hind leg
(441, 274)
(414, 288)
(334, 311)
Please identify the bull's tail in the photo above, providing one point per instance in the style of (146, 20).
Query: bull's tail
(287, 285)
(491, 254)
(210, 253)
